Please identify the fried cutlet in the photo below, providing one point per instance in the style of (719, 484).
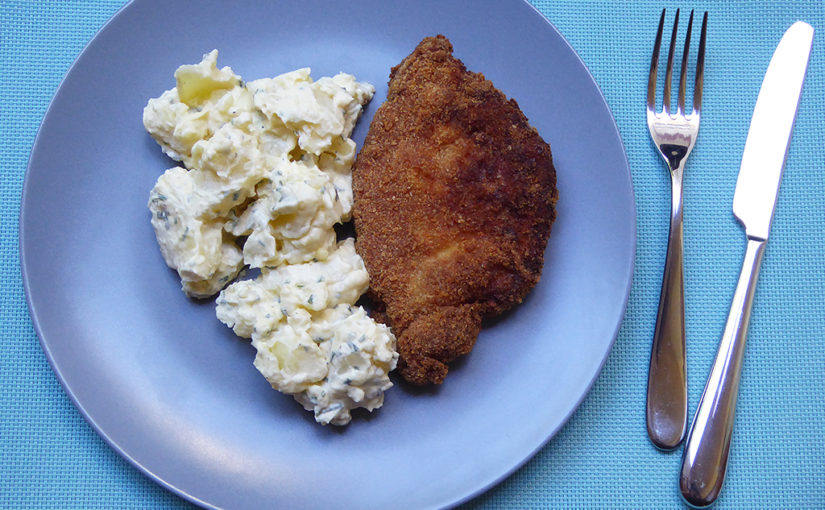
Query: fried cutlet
(455, 196)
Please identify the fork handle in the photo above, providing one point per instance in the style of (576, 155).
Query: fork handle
(666, 409)
(705, 459)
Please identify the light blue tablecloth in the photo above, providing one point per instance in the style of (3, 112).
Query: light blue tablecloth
(50, 457)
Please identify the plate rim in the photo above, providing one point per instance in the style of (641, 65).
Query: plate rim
(145, 470)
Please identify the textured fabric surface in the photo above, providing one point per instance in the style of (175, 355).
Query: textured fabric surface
(50, 457)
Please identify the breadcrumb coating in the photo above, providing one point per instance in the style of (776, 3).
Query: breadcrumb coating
(455, 197)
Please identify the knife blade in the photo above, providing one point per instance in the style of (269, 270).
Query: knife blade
(770, 132)
(705, 458)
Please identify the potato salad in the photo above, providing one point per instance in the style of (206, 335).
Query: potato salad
(311, 341)
(265, 175)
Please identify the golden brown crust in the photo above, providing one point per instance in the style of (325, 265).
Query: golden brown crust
(455, 196)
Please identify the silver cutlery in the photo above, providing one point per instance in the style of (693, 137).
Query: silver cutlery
(704, 462)
(674, 134)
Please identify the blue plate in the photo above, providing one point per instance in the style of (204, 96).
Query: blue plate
(174, 391)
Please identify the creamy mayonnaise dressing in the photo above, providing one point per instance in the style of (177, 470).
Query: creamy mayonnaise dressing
(266, 175)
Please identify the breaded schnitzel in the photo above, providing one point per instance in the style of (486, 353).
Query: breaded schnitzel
(455, 195)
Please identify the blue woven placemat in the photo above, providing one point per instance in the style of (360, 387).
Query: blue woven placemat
(50, 457)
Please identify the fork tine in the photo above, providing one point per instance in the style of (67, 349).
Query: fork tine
(669, 72)
(700, 68)
(683, 74)
(654, 66)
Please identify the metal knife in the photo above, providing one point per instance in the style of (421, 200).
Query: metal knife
(705, 458)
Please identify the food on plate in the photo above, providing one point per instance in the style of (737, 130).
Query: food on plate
(269, 161)
(455, 197)
(312, 343)
(266, 175)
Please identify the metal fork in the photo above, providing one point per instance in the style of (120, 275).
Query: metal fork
(674, 136)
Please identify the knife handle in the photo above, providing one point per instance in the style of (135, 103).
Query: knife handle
(705, 458)
(666, 405)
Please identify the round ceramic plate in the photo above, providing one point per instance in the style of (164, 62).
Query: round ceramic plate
(174, 391)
